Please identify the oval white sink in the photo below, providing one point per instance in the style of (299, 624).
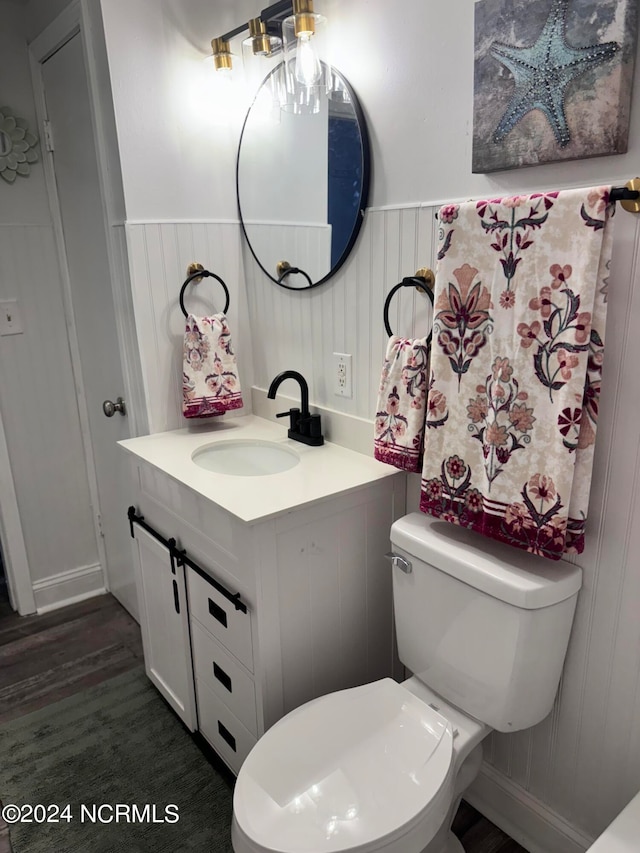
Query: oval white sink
(245, 457)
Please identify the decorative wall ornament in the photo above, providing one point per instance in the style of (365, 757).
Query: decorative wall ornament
(552, 80)
(17, 145)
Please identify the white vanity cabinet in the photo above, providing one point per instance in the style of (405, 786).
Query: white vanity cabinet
(162, 602)
(317, 590)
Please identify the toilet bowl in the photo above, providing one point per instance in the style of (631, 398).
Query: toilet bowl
(375, 768)
(382, 767)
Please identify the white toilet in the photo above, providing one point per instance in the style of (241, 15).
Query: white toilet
(484, 628)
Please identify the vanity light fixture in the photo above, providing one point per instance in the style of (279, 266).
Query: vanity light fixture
(264, 35)
(222, 56)
(288, 28)
(261, 53)
(260, 42)
(298, 32)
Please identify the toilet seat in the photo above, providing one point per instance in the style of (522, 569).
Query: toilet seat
(355, 770)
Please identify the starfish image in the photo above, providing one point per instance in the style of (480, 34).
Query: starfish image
(543, 72)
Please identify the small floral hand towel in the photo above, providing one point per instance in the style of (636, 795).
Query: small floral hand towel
(518, 342)
(400, 413)
(210, 384)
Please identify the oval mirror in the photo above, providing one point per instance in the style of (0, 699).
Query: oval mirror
(302, 180)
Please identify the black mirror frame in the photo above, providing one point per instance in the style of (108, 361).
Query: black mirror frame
(364, 197)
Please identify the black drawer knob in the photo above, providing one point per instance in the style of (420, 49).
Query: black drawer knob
(218, 613)
(222, 676)
(225, 734)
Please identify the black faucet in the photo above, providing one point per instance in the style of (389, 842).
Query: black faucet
(303, 426)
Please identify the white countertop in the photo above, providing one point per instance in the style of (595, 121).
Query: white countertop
(322, 472)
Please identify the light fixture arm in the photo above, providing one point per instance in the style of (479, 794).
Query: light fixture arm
(236, 32)
(272, 14)
(277, 11)
(286, 26)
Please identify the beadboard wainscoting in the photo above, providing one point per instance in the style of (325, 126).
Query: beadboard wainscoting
(301, 331)
(554, 787)
(127, 336)
(583, 761)
(159, 253)
(40, 411)
(273, 242)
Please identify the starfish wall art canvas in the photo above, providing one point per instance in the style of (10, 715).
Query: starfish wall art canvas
(552, 80)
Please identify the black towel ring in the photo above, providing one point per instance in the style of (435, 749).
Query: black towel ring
(203, 274)
(295, 270)
(409, 281)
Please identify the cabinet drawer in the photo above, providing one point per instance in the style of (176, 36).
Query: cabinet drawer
(218, 615)
(224, 675)
(222, 729)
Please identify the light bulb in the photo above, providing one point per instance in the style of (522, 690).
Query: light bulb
(308, 68)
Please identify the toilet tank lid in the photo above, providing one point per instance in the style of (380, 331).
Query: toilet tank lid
(509, 574)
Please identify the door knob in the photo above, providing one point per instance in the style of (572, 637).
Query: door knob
(110, 408)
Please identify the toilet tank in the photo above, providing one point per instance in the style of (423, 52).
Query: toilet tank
(484, 625)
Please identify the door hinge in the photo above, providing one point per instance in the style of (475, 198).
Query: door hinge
(47, 134)
(100, 528)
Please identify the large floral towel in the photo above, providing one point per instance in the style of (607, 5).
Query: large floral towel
(210, 384)
(400, 412)
(518, 340)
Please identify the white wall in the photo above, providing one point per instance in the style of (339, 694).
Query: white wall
(37, 392)
(415, 82)
(178, 159)
(27, 201)
(562, 782)
(39, 14)
(159, 254)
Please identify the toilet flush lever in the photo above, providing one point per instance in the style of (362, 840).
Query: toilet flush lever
(399, 562)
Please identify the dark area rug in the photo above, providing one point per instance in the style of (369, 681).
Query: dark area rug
(117, 743)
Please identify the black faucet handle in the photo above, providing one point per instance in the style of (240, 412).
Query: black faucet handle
(294, 418)
(315, 428)
(311, 428)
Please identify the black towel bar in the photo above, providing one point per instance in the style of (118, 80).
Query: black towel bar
(628, 193)
(623, 194)
(180, 558)
(203, 274)
(409, 281)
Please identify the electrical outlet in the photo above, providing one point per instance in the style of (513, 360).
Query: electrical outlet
(10, 320)
(342, 374)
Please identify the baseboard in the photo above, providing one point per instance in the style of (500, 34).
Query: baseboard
(68, 587)
(527, 820)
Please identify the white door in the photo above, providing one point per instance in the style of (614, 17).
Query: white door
(164, 621)
(83, 221)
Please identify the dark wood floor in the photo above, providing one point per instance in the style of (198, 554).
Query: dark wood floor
(46, 658)
(5, 608)
(478, 835)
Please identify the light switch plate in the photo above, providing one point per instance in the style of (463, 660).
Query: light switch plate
(10, 319)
